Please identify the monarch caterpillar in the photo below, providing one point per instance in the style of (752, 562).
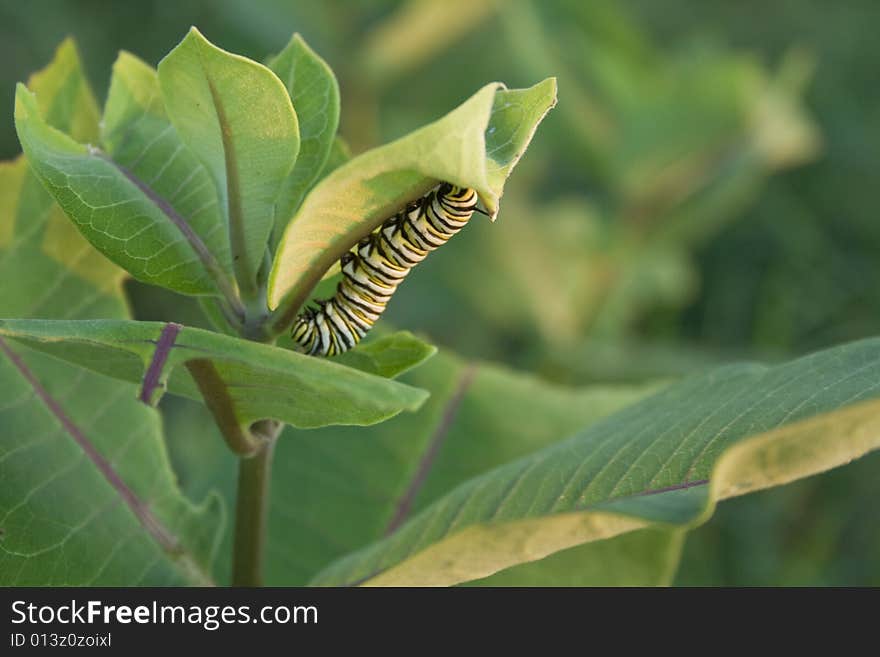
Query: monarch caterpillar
(377, 265)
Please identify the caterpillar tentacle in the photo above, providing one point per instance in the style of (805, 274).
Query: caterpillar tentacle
(373, 270)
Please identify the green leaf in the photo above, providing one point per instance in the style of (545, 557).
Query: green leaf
(314, 93)
(409, 38)
(88, 495)
(137, 134)
(381, 353)
(357, 197)
(352, 484)
(516, 114)
(113, 211)
(389, 355)
(663, 461)
(236, 116)
(257, 381)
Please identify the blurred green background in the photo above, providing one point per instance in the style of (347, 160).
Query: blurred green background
(702, 193)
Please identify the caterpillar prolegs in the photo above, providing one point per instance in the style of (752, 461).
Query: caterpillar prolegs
(377, 265)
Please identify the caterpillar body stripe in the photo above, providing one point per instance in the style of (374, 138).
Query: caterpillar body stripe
(372, 271)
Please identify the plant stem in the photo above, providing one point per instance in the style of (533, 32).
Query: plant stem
(254, 326)
(252, 507)
(254, 444)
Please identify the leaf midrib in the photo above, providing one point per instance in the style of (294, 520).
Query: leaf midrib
(204, 254)
(244, 272)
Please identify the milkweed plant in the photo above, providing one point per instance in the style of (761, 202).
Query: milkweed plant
(224, 179)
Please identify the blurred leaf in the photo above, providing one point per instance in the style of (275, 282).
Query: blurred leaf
(782, 131)
(658, 125)
(236, 116)
(648, 277)
(562, 271)
(767, 129)
(314, 93)
(623, 360)
(256, 381)
(64, 95)
(358, 196)
(137, 134)
(586, 115)
(663, 461)
(417, 31)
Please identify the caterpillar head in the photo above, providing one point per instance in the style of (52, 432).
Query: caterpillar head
(459, 198)
(448, 190)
